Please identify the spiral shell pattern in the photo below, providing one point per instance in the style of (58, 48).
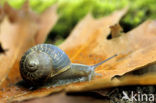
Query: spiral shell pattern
(43, 61)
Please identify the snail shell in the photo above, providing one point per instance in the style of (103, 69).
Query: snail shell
(43, 61)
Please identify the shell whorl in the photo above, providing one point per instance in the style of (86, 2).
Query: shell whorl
(43, 61)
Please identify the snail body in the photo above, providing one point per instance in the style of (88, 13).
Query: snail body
(45, 62)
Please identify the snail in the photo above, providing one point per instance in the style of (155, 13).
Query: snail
(45, 62)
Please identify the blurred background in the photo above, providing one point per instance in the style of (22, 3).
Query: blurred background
(72, 11)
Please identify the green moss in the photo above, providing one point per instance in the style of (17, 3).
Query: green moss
(71, 11)
(14, 3)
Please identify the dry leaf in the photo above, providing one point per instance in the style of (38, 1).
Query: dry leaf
(20, 30)
(116, 30)
(135, 49)
(14, 92)
(77, 98)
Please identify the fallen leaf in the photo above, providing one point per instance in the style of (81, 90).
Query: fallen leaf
(1, 14)
(16, 92)
(45, 25)
(116, 30)
(135, 49)
(18, 32)
(77, 98)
